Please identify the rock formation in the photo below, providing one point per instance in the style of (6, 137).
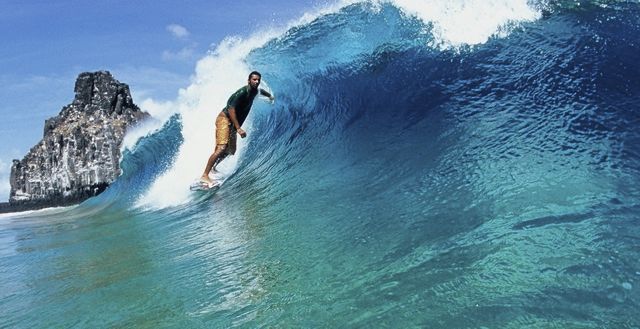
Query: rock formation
(79, 154)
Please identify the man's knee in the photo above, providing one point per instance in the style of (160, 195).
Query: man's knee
(221, 148)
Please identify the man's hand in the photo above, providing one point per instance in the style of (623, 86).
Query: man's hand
(242, 133)
(272, 99)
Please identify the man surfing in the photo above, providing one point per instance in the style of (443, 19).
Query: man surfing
(229, 123)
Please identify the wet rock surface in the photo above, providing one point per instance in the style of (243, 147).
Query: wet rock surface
(79, 154)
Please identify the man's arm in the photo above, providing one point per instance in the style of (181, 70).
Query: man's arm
(267, 94)
(234, 122)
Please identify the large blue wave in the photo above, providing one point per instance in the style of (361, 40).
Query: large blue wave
(430, 184)
(363, 102)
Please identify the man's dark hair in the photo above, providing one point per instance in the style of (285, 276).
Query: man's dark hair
(255, 73)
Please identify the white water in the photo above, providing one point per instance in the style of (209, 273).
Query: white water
(469, 22)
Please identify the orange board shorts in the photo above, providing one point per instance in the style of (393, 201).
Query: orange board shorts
(225, 134)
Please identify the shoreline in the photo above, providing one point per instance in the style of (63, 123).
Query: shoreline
(8, 208)
(26, 213)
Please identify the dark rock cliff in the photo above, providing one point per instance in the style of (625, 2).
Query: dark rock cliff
(79, 154)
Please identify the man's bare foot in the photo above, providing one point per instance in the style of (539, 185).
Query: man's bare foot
(206, 179)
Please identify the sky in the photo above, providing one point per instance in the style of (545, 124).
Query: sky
(152, 46)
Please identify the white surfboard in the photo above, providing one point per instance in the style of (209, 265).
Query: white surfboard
(199, 185)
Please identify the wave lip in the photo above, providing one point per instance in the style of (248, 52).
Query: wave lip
(469, 22)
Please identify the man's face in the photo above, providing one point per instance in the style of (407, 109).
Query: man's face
(254, 81)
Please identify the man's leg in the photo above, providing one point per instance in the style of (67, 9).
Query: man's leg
(218, 155)
(222, 139)
(225, 153)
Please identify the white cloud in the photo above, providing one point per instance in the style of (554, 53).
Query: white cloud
(178, 31)
(184, 54)
(188, 52)
(151, 82)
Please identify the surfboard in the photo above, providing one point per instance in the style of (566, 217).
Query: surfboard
(199, 185)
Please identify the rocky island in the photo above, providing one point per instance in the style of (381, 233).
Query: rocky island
(79, 154)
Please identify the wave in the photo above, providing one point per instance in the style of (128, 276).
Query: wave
(380, 64)
(347, 34)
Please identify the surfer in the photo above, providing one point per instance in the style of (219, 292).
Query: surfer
(229, 122)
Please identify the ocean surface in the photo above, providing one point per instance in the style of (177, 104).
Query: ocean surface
(437, 164)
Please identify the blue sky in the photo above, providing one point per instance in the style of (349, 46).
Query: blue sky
(152, 46)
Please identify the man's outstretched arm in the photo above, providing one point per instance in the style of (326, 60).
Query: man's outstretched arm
(267, 94)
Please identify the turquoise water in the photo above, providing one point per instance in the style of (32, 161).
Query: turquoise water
(394, 184)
